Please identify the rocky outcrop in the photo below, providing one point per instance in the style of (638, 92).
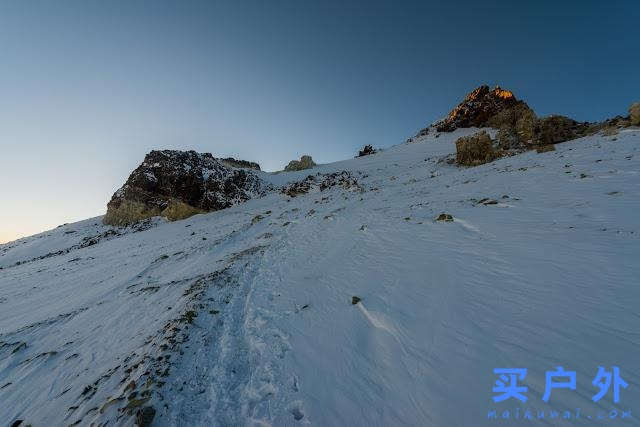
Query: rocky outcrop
(178, 184)
(485, 107)
(518, 126)
(305, 162)
(475, 149)
(554, 129)
(634, 112)
(366, 150)
(243, 164)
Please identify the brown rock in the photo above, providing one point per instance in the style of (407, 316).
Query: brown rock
(634, 112)
(305, 162)
(475, 149)
(554, 129)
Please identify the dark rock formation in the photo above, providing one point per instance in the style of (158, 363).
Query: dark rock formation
(480, 107)
(178, 184)
(243, 164)
(305, 162)
(366, 150)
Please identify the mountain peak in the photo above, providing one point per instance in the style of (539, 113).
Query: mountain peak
(478, 107)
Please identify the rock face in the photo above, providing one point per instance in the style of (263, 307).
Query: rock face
(230, 161)
(305, 162)
(518, 127)
(484, 107)
(554, 129)
(475, 149)
(634, 111)
(366, 150)
(178, 184)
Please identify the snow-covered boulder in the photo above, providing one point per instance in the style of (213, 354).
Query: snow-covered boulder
(179, 184)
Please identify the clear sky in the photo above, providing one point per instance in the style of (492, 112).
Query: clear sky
(88, 87)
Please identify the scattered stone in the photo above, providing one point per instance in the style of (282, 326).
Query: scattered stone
(487, 201)
(342, 179)
(445, 217)
(189, 315)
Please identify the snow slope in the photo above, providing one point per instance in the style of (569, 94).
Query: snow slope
(244, 316)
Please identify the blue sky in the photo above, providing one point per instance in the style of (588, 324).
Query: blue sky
(88, 87)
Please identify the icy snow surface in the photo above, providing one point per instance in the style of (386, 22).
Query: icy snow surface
(245, 317)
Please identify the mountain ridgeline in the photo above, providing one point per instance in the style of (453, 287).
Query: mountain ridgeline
(178, 184)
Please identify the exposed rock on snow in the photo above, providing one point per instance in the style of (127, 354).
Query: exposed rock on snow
(179, 184)
(305, 162)
(366, 150)
(475, 149)
(321, 182)
(445, 217)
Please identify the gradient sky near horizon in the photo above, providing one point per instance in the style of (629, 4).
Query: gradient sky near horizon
(88, 87)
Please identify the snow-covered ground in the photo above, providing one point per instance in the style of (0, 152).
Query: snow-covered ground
(245, 316)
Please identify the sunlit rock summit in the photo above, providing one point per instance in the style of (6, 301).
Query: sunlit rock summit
(480, 108)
